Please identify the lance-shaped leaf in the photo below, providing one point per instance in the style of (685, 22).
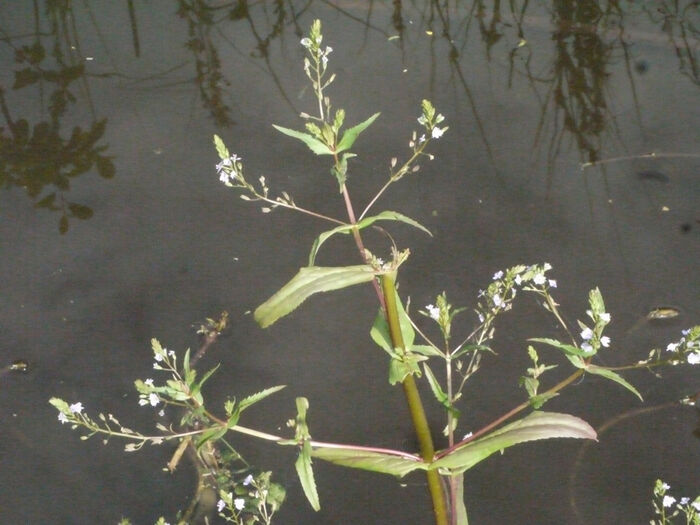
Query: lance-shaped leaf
(306, 282)
(258, 396)
(384, 463)
(538, 425)
(609, 374)
(367, 221)
(303, 462)
(315, 145)
(351, 134)
(567, 349)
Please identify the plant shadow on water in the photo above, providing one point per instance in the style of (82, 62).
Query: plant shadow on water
(572, 139)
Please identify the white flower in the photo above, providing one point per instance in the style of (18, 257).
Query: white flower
(547, 267)
(158, 357)
(539, 278)
(220, 505)
(148, 382)
(586, 347)
(605, 341)
(672, 347)
(239, 503)
(433, 312)
(76, 408)
(421, 140)
(306, 42)
(684, 501)
(161, 413)
(668, 501)
(694, 358)
(481, 317)
(62, 418)
(587, 334)
(665, 486)
(248, 480)
(436, 133)
(497, 301)
(324, 59)
(552, 283)
(696, 505)
(518, 279)
(605, 316)
(153, 399)
(498, 275)
(328, 51)
(468, 435)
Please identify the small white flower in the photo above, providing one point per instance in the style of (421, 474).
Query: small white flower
(539, 279)
(696, 505)
(324, 59)
(587, 334)
(605, 341)
(586, 347)
(433, 312)
(497, 301)
(468, 435)
(668, 501)
(329, 50)
(518, 279)
(248, 480)
(153, 399)
(158, 357)
(605, 316)
(220, 505)
(547, 267)
(143, 401)
(481, 317)
(552, 283)
(672, 347)
(665, 486)
(436, 133)
(684, 501)
(694, 358)
(498, 275)
(62, 418)
(306, 42)
(421, 140)
(161, 413)
(239, 503)
(76, 408)
(148, 382)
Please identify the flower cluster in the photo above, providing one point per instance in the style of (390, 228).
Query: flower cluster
(230, 170)
(688, 345)
(430, 120)
(668, 507)
(254, 500)
(593, 338)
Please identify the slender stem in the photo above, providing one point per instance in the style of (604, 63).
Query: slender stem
(415, 406)
(510, 414)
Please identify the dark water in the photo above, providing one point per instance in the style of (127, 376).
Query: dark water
(140, 240)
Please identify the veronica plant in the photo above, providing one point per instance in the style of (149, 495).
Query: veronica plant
(248, 496)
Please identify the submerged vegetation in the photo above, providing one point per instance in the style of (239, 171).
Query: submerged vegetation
(242, 494)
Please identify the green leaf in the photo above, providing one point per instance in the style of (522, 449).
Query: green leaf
(351, 134)
(435, 386)
(315, 145)
(367, 221)
(259, 396)
(306, 476)
(402, 367)
(383, 463)
(609, 374)
(306, 282)
(211, 434)
(60, 404)
(221, 148)
(538, 425)
(567, 349)
(427, 350)
(380, 333)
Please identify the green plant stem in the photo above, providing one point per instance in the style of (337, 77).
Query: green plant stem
(415, 406)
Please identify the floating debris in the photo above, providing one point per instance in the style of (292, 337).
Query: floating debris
(660, 313)
(653, 175)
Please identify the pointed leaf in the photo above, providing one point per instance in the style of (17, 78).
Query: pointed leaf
(367, 221)
(427, 350)
(315, 145)
(259, 396)
(308, 281)
(435, 386)
(567, 349)
(380, 333)
(306, 476)
(351, 134)
(395, 465)
(609, 374)
(538, 425)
